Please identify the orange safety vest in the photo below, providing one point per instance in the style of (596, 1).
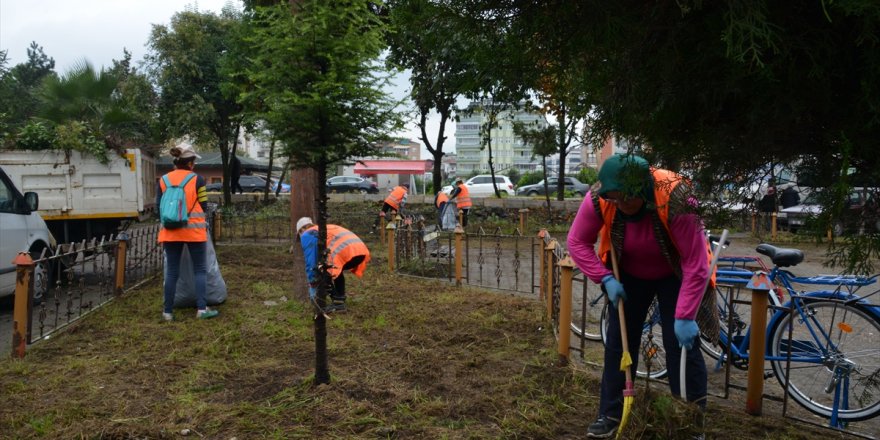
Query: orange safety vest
(197, 228)
(442, 198)
(396, 197)
(463, 199)
(664, 182)
(343, 246)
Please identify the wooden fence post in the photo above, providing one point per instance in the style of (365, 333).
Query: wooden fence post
(218, 226)
(21, 314)
(541, 259)
(459, 253)
(523, 219)
(549, 266)
(390, 227)
(567, 273)
(760, 285)
(382, 225)
(121, 247)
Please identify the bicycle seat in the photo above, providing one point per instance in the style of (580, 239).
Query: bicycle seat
(782, 257)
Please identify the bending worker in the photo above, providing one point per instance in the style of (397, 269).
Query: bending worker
(394, 202)
(440, 202)
(462, 198)
(649, 216)
(346, 252)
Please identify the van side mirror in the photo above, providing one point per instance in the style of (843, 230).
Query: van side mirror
(31, 200)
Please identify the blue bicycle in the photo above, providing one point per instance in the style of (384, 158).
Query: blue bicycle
(830, 336)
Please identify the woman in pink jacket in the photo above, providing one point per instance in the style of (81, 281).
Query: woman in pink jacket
(648, 216)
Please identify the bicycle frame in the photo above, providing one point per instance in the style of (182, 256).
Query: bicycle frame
(819, 346)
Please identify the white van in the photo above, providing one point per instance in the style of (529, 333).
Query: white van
(21, 230)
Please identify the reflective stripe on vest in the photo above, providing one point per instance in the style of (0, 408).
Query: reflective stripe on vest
(395, 197)
(343, 245)
(196, 229)
(463, 199)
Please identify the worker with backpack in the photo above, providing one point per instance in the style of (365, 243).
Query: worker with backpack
(182, 200)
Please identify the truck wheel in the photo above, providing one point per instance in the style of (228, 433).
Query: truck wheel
(43, 274)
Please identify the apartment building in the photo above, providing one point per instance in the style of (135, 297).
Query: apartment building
(508, 151)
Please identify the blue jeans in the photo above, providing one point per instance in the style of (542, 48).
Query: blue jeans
(197, 253)
(640, 294)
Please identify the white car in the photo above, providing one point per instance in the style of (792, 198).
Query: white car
(481, 185)
(21, 230)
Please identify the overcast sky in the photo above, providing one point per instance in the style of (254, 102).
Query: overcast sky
(97, 31)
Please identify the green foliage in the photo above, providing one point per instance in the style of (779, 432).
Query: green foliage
(514, 175)
(19, 86)
(530, 178)
(438, 76)
(315, 71)
(35, 135)
(588, 175)
(75, 135)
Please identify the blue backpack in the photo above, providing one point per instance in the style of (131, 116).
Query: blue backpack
(173, 212)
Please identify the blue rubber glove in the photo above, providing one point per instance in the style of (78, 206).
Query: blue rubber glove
(614, 289)
(313, 292)
(686, 331)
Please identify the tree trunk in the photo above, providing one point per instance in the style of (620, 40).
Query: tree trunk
(546, 189)
(562, 146)
(269, 172)
(322, 369)
(302, 204)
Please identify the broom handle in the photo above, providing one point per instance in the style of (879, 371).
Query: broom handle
(622, 317)
(682, 371)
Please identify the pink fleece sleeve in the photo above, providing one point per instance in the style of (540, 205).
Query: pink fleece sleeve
(687, 233)
(582, 238)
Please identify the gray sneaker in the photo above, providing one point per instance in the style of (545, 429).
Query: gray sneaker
(167, 317)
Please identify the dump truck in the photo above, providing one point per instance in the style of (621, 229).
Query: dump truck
(79, 196)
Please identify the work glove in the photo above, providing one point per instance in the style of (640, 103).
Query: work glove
(313, 290)
(686, 331)
(614, 289)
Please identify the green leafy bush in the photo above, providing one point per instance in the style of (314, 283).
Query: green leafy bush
(36, 135)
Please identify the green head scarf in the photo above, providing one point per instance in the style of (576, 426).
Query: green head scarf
(629, 174)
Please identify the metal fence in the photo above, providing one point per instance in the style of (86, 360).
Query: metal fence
(60, 287)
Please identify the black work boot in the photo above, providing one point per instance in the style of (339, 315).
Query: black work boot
(603, 427)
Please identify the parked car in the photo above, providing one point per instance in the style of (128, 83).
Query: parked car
(248, 184)
(860, 212)
(481, 185)
(22, 230)
(345, 184)
(285, 188)
(571, 185)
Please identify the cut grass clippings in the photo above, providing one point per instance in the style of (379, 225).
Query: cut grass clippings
(412, 359)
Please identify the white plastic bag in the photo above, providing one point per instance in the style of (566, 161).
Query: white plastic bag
(448, 216)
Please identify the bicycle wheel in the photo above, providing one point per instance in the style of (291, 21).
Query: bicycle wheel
(735, 317)
(844, 342)
(586, 311)
(651, 351)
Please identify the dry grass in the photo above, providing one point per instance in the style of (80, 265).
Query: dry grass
(412, 359)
